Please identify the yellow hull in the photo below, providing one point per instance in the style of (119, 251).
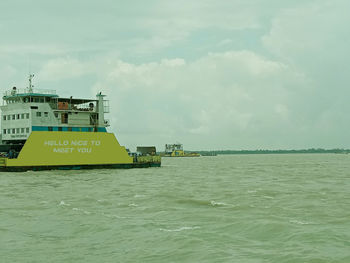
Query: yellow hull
(69, 148)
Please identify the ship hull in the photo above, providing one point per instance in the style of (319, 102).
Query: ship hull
(73, 151)
(78, 167)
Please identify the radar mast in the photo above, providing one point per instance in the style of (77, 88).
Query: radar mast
(31, 86)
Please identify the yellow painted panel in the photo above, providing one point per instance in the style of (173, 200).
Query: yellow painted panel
(70, 148)
(178, 153)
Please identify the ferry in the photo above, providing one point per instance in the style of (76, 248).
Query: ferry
(42, 131)
(177, 150)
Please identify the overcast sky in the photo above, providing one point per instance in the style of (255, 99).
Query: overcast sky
(211, 74)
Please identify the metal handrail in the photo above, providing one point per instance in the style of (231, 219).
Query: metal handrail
(14, 92)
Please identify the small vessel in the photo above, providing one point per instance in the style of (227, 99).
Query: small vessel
(176, 150)
(42, 131)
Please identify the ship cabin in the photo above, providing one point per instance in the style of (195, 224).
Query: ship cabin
(27, 110)
(174, 149)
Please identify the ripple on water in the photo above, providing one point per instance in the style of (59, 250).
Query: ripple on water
(62, 203)
(180, 229)
(240, 208)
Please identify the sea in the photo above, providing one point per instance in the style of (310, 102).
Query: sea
(228, 208)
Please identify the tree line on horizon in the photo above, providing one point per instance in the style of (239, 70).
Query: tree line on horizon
(264, 151)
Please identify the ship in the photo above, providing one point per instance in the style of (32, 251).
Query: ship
(176, 150)
(42, 131)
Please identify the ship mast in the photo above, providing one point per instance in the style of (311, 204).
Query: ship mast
(100, 108)
(31, 86)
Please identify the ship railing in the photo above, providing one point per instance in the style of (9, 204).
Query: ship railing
(14, 91)
(72, 107)
(149, 159)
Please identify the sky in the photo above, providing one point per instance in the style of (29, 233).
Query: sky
(210, 74)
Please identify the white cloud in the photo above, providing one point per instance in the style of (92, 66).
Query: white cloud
(314, 39)
(212, 98)
(63, 68)
(228, 88)
(311, 35)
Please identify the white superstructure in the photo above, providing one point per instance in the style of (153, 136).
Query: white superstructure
(24, 111)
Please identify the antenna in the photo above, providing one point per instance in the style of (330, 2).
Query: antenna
(31, 86)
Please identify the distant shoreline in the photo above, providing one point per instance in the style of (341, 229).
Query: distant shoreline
(310, 151)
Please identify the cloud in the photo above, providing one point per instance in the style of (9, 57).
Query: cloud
(313, 39)
(310, 33)
(63, 68)
(148, 27)
(217, 98)
(228, 74)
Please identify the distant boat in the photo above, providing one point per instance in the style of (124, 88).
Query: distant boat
(176, 150)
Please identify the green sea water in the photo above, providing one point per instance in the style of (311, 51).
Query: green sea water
(237, 208)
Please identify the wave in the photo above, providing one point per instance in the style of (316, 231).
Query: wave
(294, 221)
(62, 203)
(180, 229)
(213, 203)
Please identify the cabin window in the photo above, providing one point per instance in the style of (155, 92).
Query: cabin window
(46, 114)
(38, 114)
(13, 131)
(36, 99)
(4, 117)
(22, 116)
(69, 128)
(27, 115)
(27, 130)
(4, 132)
(42, 100)
(17, 130)
(59, 128)
(34, 107)
(64, 117)
(18, 116)
(22, 130)
(13, 116)
(56, 114)
(50, 128)
(9, 131)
